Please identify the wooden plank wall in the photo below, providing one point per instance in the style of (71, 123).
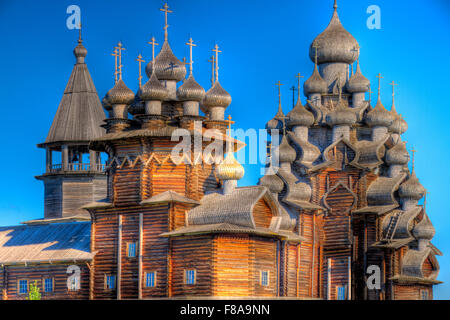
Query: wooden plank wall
(411, 292)
(39, 272)
(262, 214)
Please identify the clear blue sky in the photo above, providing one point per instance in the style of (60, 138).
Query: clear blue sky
(262, 42)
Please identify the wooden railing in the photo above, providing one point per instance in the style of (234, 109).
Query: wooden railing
(78, 167)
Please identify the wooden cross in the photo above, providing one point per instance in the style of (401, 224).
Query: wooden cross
(299, 77)
(216, 50)
(153, 44)
(115, 54)
(413, 151)
(379, 84)
(119, 49)
(393, 84)
(212, 71)
(79, 33)
(293, 88)
(166, 10)
(335, 5)
(140, 60)
(191, 44)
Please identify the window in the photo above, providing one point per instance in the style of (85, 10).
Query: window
(110, 282)
(424, 294)
(131, 251)
(189, 276)
(341, 292)
(264, 278)
(48, 285)
(23, 286)
(150, 279)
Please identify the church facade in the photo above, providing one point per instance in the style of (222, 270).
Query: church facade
(335, 217)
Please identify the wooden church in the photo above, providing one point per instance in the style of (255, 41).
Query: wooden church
(336, 216)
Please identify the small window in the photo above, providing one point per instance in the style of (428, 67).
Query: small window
(48, 285)
(341, 293)
(424, 294)
(264, 278)
(131, 252)
(23, 286)
(110, 282)
(189, 276)
(150, 279)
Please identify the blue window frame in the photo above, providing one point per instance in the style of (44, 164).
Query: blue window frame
(189, 276)
(341, 293)
(131, 252)
(23, 286)
(265, 278)
(48, 285)
(150, 279)
(110, 282)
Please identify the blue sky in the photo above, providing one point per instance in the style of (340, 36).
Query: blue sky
(262, 42)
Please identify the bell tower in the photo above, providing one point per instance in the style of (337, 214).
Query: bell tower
(74, 175)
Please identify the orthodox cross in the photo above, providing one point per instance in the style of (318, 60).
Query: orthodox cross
(212, 69)
(299, 77)
(191, 44)
(293, 88)
(229, 123)
(216, 50)
(119, 49)
(393, 84)
(115, 64)
(413, 151)
(379, 84)
(166, 10)
(335, 5)
(140, 60)
(153, 44)
(279, 84)
(79, 33)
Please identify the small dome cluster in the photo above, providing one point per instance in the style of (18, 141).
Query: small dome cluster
(398, 125)
(424, 229)
(342, 115)
(120, 94)
(285, 152)
(411, 189)
(230, 168)
(216, 97)
(191, 91)
(272, 182)
(299, 116)
(358, 83)
(397, 155)
(379, 116)
(153, 90)
(315, 84)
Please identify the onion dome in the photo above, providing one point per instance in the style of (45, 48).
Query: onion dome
(399, 125)
(230, 169)
(153, 90)
(120, 94)
(424, 229)
(335, 43)
(80, 51)
(358, 83)
(137, 106)
(299, 116)
(216, 97)
(286, 153)
(397, 155)
(315, 84)
(411, 189)
(379, 116)
(342, 115)
(106, 105)
(277, 121)
(190, 90)
(167, 66)
(272, 182)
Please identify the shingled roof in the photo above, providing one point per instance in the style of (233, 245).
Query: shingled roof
(80, 113)
(53, 242)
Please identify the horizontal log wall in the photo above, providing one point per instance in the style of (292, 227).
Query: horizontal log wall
(58, 272)
(411, 292)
